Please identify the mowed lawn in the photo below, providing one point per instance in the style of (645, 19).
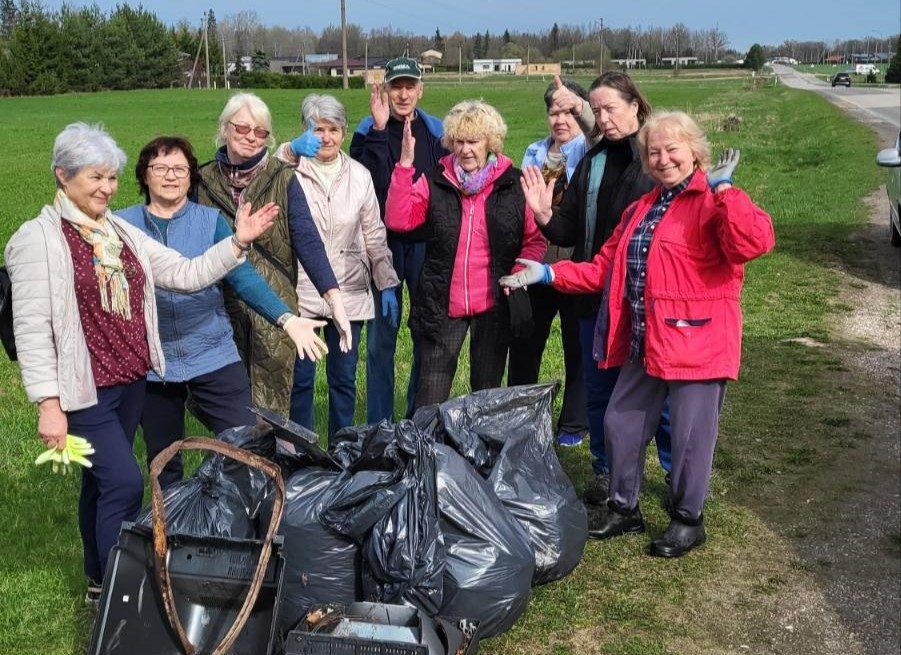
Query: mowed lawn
(796, 150)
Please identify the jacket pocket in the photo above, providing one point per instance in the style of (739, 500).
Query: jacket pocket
(354, 274)
(685, 334)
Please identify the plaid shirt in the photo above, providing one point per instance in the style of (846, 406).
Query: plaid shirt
(637, 266)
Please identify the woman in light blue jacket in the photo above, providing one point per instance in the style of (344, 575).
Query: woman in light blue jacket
(201, 356)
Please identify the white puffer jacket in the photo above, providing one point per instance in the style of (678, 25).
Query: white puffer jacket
(53, 353)
(354, 236)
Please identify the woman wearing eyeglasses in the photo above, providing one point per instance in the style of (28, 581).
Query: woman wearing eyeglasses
(197, 339)
(243, 172)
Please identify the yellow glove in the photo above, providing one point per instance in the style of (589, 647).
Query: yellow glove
(75, 451)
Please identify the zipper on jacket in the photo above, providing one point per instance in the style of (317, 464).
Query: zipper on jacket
(466, 304)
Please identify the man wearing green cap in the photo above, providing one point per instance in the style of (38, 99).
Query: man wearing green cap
(376, 144)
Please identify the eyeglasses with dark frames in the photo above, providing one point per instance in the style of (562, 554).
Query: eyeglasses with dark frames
(161, 170)
(258, 132)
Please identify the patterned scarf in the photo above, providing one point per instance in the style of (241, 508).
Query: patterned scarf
(472, 183)
(107, 248)
(239, 176)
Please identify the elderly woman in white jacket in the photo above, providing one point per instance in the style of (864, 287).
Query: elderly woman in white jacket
(85, 322)
(345, 209)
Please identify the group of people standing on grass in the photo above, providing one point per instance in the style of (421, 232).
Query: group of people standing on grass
(617, 222)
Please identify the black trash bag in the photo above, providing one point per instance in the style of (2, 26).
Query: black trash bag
(387, 502)
(321, 566)
(209, 504)
(507, 434)
(489, 563)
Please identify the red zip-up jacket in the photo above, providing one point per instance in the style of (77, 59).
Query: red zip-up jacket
(695, 271)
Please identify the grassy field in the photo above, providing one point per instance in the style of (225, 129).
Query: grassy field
(796, 151)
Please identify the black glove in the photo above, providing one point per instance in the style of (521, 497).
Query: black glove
(520, 313)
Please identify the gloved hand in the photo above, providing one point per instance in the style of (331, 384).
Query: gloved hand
(390, 306)
(75, 451)
(339, 316)
(722, 172)
(521, 322)
(307, 144)
(533, 273)
(303, 333)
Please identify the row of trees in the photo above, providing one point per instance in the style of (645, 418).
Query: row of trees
(84, 49)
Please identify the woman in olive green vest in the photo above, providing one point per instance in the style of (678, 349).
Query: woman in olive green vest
(243, 172)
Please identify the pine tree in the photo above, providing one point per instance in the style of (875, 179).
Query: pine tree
(506, 37)
(438, 41)
(754, 59)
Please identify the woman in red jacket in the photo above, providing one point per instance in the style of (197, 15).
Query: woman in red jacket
(671, 275)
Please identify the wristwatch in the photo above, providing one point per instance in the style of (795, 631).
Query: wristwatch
(241, 246)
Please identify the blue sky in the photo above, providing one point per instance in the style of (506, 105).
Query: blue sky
(744, 21)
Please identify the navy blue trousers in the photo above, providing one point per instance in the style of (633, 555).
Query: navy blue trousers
(341, 373)
(220, 399)
(381, 337)
(111, 490)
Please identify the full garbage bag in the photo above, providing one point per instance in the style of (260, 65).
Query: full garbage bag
(386, 500)
(507, 435)
(321, 566)
(222, 498)
(489, 562)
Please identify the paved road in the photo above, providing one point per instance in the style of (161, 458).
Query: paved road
(883, 104)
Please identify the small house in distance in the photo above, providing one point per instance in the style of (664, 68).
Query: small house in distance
(507, 66)
(543, 68)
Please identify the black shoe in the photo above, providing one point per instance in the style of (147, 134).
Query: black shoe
(598, 490)
(616, 522)
(680, 537)
(93, 594)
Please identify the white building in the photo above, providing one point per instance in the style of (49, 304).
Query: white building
(495, 65)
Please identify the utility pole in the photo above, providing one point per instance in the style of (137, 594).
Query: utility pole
(206, 46)
(528, 53)
(225, 83)
(601, 44)
(365, 61)
(460, 62)
(196, 59)
(344, 84)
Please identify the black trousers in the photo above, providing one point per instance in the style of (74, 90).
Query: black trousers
(488, 343)
(526, 354)
(220, 398)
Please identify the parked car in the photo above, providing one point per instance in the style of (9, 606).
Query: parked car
(891, 158)
(841, 78)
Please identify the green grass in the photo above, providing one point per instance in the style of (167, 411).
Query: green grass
(781, 417)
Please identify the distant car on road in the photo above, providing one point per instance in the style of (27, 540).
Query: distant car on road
(841, 78)
(891, 158)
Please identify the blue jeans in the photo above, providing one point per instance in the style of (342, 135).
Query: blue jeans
(112, 489)
(381, 338)
(599, 383)
(341, 373)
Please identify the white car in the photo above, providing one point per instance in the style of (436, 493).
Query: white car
(891, 158)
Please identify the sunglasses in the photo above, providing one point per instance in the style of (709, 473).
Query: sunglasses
(258, 132)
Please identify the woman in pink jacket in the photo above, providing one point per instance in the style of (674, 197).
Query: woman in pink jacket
(478, 224)
(671, 275)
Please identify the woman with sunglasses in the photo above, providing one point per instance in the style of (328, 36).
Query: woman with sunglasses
(243, 172)
(201, 357)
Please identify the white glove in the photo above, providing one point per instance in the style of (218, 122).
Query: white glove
(533, 273)
(339, 316)
(303, 333)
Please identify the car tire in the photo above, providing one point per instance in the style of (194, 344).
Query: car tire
(896, 236)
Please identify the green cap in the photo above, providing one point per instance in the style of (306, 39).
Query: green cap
(402, 67)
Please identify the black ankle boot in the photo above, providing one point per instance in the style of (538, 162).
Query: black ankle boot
(681, 536)
(616, 522)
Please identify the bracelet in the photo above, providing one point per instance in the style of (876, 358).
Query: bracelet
(283, 319)
(241, 246)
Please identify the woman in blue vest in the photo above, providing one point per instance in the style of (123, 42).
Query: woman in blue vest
(196, 335)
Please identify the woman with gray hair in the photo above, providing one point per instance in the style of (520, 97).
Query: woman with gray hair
(243, 172)
(85, 322)
(346, 212)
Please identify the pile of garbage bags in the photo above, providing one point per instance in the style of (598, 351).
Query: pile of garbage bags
(458, 512)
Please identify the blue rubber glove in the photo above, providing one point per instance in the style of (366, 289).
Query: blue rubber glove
(307, 144)
(533, 273)
(722, 172)
(390, 307)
